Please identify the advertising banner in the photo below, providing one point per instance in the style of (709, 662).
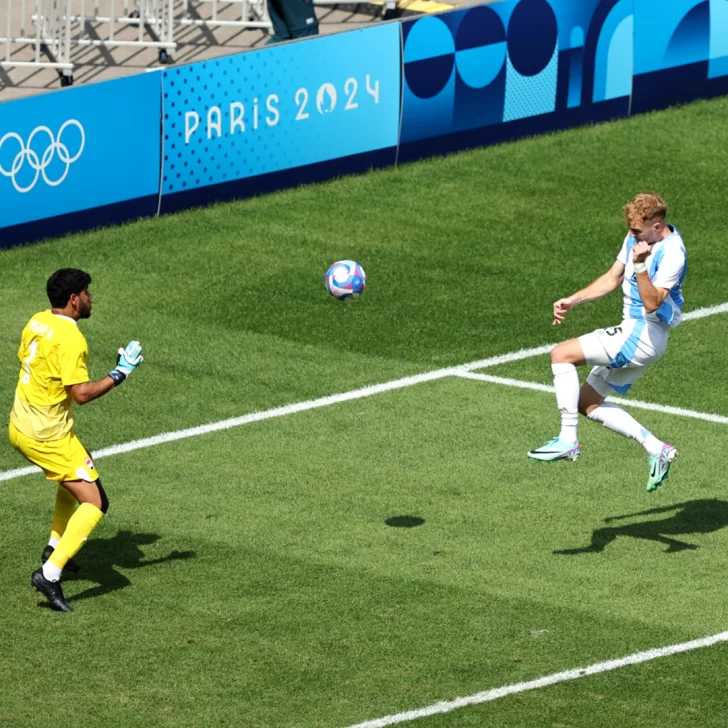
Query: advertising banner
(281, 108)
(80, 148)
(681, 51)
(521, 65)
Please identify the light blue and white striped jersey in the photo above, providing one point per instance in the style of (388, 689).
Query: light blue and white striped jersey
(667, 264)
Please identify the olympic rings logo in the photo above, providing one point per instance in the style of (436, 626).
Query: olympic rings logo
(40, 163)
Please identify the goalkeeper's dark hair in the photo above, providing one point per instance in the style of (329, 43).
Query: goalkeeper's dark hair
(63, 283)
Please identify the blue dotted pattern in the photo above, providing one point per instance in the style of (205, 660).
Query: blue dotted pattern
(280, 107)
(531, 95)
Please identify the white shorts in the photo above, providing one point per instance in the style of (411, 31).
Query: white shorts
(620, 354)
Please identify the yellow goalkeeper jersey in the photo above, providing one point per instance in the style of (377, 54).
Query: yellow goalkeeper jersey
(52, 354)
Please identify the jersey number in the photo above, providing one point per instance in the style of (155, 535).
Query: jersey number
(32, 349)
(613, 331)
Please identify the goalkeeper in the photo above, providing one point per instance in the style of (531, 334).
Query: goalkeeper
(53, 375)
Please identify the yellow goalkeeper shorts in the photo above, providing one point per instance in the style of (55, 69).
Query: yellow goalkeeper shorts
(61, 460)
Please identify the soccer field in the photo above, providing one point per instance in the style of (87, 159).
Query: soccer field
(322, 513)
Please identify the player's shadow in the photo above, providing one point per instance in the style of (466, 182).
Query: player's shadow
(696, 516)
(100, 556)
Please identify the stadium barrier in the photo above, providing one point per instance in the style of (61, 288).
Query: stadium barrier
(287, 114)
(310, 110)
(79, 158)
(499, 72)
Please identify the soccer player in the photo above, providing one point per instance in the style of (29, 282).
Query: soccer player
(53, 375)
(650, 268)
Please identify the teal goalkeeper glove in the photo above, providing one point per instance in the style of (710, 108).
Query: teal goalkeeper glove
(127, 361)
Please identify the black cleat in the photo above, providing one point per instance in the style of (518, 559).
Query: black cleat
(71, 566)
(51, 590)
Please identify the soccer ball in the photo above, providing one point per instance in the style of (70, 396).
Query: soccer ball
(345, 279)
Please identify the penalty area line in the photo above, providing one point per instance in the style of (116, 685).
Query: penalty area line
(447, 706)
(636, 403)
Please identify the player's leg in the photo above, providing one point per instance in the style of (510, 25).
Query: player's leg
(67, 462)
(65, 502)
(64, 508)
(612, 416)
(564, 359)
(589, 399)
(93, 504)
(37, 453)
(632, 347)
(57, 459)
(605, 382)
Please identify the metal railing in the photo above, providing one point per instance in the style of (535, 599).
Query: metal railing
(126, 23)
(60, 25)
(49, 43)
(225, 13)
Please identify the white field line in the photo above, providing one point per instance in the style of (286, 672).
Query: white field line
(679, 411)
(707, 311)
(329, 400)
(447, 706)
(292, 408)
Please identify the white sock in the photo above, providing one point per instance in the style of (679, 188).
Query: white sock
(51, 571)
(616, 419)
(53, 542)
(566, 383)
(651, 443)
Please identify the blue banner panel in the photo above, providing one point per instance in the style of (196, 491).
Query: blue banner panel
(537, 64)
(279, 108)
(264, 184)
(718, 45)
(681, 51)
(95, 146)
(671, 33)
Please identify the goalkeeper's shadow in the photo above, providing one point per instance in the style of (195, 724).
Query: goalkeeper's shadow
(101, 558)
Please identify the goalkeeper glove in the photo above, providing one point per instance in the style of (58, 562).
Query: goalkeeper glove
(127, 361)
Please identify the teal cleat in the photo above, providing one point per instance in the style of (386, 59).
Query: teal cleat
(556, 449)
(660, 466)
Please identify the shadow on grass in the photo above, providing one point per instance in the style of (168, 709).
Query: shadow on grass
(696, 516)
(99, 557)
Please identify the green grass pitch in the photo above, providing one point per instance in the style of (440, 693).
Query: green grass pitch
(250, 577)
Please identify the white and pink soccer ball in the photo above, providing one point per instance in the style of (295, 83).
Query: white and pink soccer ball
(345, 279)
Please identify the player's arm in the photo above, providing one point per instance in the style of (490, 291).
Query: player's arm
(598, 288)
(89, 391)
(652, 296)
(127, 361)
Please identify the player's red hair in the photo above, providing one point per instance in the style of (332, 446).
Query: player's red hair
(645, 207)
